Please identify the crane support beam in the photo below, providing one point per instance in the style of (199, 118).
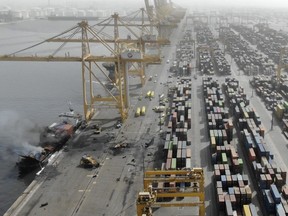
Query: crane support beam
(64, 40)
(103, 99)
(140, 25)
(174, 172)
(181, 194)
(174, 179)
(169, 204)
(147, 200)
(75, 59)
(40, 59)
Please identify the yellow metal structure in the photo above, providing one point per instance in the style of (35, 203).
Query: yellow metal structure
(281, 65)
(90, 61)
(148, 199)
(136, 68)
(159, 15)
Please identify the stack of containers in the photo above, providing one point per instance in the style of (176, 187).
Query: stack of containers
(177, 154)
(271, 178)
(176, 147)
(232, 187)
(177, 141)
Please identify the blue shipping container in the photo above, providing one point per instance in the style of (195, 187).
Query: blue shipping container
(269, 202)
(280, 210)
(275, 194)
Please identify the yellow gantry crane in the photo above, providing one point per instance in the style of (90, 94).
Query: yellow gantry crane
(192, 182)
(119, 55)
(164, 16)
(136, 41)
(281, 64)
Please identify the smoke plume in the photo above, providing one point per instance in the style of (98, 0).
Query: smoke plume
(18, 135)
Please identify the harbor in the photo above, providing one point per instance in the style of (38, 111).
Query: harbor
(201, 131)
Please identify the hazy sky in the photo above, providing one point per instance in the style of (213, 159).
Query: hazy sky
(244, 3)
(140, 3)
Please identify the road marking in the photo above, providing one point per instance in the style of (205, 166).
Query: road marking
(84, 190)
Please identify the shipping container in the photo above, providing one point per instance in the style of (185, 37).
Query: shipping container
(269, 202)
(188, 163)
(246, 210)
(229, 210)
(280, 210)
(168, 163)
(188, 153)
(275, 194)
(170, 154)
(173, 164)
(253, 210)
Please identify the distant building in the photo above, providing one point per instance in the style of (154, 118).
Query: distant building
(49, 11)
(81, 13)
(36, 12)
(90, 13)
(101, 13)
(8, 15)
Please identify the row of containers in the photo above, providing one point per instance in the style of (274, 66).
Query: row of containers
(177, 154)
(176, 150)
(212, 57)
(247, 59)
(184, 55)
(275, 99)
(269, 178)
(265, 88)
(268, 41)
(233, 192)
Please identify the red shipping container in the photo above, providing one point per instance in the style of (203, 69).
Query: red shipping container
(217, 175)
(252, 155)
(285, 192)
(69, 129)
(269, 179)
(271, 172)
(233, 200)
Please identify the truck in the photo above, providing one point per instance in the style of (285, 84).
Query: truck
(138, 112)
(148, 95)
(159, 108)
(143, 111)
(97, 128)
(88, 161)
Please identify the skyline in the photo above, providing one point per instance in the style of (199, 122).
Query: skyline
(112, 4)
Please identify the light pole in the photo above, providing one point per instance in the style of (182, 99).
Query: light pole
(159, 113)
(272, 121)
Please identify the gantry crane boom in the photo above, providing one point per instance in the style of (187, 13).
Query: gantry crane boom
(138, 43)
(149, 9)
(90, 58)
(88, 61)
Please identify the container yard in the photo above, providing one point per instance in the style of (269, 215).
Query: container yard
(199, 128)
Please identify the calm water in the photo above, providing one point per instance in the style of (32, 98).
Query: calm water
(31, 95)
